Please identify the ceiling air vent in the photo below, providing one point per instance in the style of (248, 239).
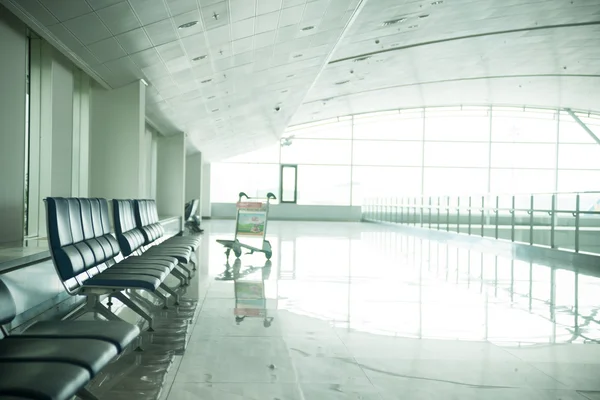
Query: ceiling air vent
(393, 21)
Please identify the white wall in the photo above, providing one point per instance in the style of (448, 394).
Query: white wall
(205, 198)
(117, 130)
(61, 98)
(170, 177)
(59, 131)
(193, 177)
(13, 51)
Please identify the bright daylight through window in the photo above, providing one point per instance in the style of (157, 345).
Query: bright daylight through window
(434, 151)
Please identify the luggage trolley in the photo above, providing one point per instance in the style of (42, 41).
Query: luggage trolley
(250, 222)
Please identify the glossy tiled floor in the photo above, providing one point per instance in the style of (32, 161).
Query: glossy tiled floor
(359, 311)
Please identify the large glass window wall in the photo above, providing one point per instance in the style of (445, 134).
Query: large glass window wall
(433, 151)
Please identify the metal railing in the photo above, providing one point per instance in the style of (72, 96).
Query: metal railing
(566, 221)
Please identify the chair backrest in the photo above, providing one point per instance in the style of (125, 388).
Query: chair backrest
(129, 236)
(65, 233)
(8, 309)
(78, 239)
(147, 220)
(190, 209)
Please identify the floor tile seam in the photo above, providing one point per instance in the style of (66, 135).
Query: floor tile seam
(353, 357)
(532, 365)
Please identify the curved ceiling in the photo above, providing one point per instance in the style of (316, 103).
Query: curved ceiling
(221, 80)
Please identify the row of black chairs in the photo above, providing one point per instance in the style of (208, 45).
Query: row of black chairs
(56, 359)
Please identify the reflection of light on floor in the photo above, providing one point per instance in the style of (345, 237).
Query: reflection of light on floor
(369, 278)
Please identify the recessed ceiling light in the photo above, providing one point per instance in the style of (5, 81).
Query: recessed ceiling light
(393, 21)
(308, 28)
(424, 16)
(437, 3)
(413, 26)
(342, 82)
(297, 55)
(361, 58)
(187, 24)
(202, 57)
(206, 81)
(291, 76)
(215, 110)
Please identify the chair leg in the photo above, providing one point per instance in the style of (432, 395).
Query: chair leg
(186, 269)
(162, 297)
(105, 312)
(85, 394)
(76, 313)
(179, 275)
(137, 309)
(147, 303)
(167, 289)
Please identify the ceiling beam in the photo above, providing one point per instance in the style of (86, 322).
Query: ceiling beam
(583, 125)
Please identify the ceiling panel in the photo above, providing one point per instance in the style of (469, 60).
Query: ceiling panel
(221, 79)
(119, 18)
(66, 9)
(134, 41)
(150, 11)
(107, 50)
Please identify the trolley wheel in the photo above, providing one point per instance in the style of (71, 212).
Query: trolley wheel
(268, 255)
(237, 253)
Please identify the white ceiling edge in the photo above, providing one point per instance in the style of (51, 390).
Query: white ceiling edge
(41, 30)
(44, 33)
(442, 105)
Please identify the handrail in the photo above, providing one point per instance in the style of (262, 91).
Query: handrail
(538, 223)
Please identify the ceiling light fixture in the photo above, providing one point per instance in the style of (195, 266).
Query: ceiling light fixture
(215, 110)
(187, 25)
(290, 76)
(342, 82)
(358, 59)
(424, 16)
(413, 26)
(297, 55)
(393, 21)
(437, 3)
(206, 81)
(202, 57)
(308, 28)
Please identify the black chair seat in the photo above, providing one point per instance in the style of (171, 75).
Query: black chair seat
(90, 354)
(115, 280)
(41, 380)
(137, 272)
(136, 267)
(162, 260)
(182, 256)
(183, 240)
(119, 333)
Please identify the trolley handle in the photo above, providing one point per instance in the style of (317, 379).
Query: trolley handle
(271, 196)
(242, 194)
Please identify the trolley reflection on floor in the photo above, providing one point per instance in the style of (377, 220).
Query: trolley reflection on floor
(249, 289)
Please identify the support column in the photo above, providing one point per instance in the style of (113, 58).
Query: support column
(170, 176)
(117, 128)
(205, 202)
(13, 47)
(193, 179)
